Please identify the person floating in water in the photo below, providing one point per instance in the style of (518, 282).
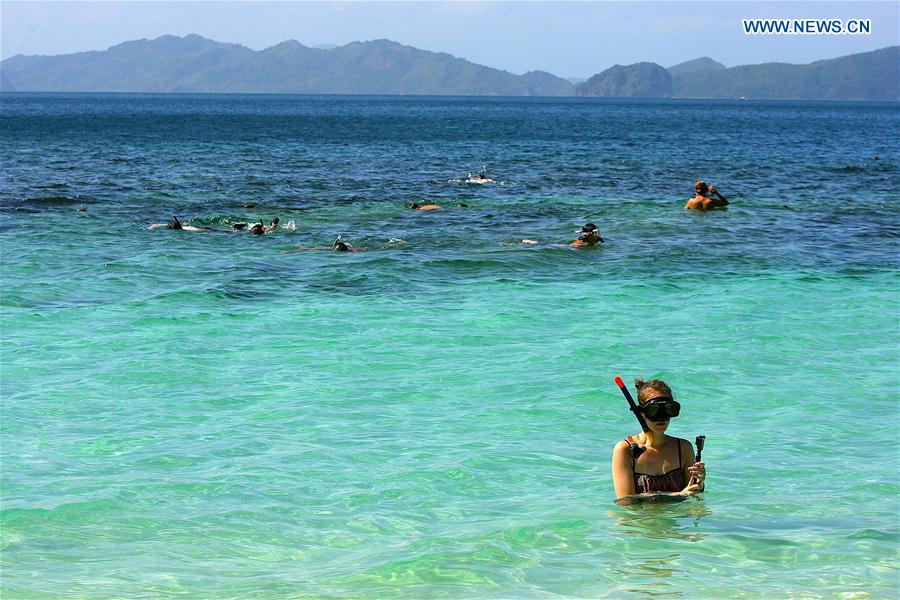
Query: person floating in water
(662, 463)
(176, 224)
(701, 201)
(260, 229)
(415, 206)
(339, 245)
(481, 177)
(590, 236)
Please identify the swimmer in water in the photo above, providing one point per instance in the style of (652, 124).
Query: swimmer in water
(415, 206)
(260, 229)
(339, 245)
(590, 235)
(481, 177)
(701, 201)
(176, 224)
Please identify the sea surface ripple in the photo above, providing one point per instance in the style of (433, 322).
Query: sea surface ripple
(219, 415)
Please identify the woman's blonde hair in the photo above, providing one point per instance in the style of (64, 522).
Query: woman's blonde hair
(700, 185)
(645, 388)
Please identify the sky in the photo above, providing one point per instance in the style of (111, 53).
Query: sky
(568, 39)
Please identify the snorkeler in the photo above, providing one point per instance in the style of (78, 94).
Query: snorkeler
(652, 461)
(590, 235)
(176, 224)
(481, 177)
(415, 206)
(701, 201)
(338, 245)
(258, 228)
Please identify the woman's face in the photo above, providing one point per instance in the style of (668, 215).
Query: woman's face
(660, 425)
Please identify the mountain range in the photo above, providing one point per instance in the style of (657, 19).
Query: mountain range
(193, 64)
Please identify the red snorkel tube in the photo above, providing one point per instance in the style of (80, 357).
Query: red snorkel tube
(634, 407)
(636, 450)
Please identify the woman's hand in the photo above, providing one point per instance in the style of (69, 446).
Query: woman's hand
(690, 490)
(698, 472)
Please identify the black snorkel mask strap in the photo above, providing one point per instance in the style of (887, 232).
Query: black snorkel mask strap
(636, 450)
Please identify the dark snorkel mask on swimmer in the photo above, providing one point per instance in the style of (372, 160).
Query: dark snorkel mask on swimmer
(665, 407)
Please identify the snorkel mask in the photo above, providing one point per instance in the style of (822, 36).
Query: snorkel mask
(661, 408)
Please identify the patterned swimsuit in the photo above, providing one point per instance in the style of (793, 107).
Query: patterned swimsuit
(670, 481)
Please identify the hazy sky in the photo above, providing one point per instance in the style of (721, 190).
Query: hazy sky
(569, 39)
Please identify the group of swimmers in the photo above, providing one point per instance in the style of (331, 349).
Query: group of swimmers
(648, 466)
(257, 228)
(705, 198)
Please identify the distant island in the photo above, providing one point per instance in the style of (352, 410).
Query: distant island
(193, 64)
(641, 80)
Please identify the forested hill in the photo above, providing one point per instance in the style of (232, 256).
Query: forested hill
(867, 76)
(196, 64)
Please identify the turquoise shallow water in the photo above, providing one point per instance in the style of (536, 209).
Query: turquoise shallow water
(217, 415)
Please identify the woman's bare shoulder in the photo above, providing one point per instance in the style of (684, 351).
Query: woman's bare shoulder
(620, 447)
(686, 448)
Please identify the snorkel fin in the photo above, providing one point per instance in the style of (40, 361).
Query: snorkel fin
(636, 450)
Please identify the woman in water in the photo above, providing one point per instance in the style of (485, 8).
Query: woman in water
(653, 462)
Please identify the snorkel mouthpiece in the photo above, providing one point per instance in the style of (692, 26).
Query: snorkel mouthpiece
(635, 450)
